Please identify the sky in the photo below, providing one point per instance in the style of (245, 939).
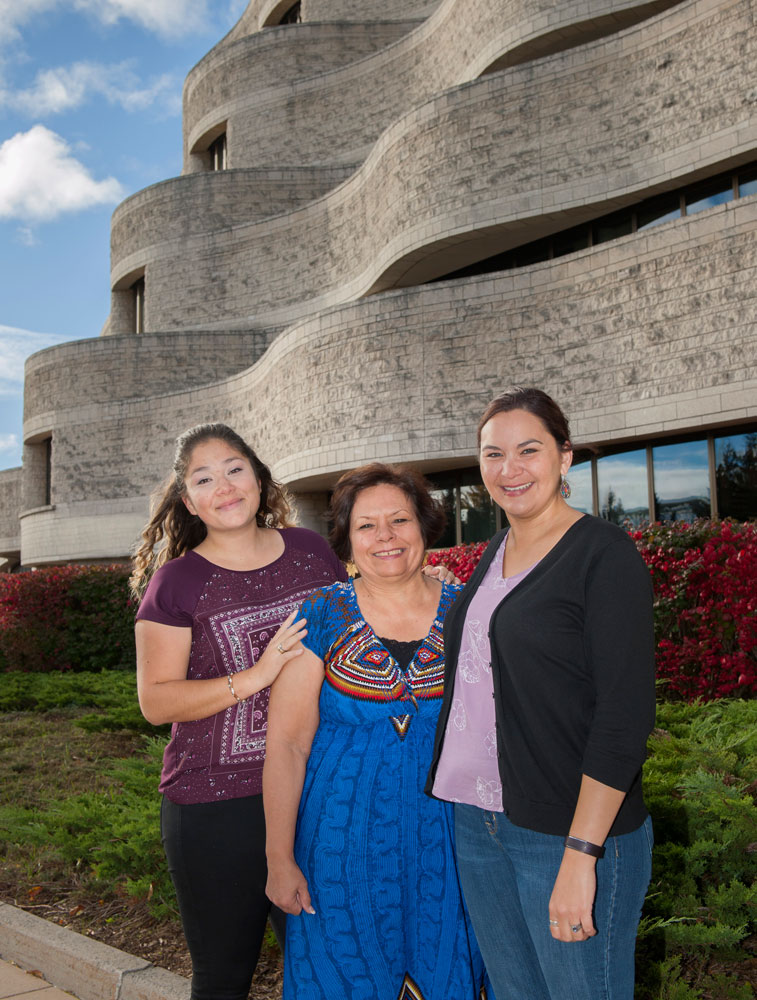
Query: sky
(90, 112)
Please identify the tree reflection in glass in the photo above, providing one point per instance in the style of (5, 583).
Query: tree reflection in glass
(736, 475)
(623, 488)
(681, 481)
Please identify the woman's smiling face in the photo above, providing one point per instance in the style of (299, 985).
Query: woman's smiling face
(521, 463)
(385, 534)
(220, 486)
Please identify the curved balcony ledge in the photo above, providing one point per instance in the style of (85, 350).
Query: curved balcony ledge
(354, 103)
(580, 326)
(479, 169)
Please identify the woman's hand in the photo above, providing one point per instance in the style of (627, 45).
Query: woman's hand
(283, 647)
(572, 899)
(287, 887)
(441, 573)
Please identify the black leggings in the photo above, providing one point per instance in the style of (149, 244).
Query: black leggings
(216, 857)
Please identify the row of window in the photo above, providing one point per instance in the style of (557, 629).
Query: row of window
(712, 476)
(651, 212)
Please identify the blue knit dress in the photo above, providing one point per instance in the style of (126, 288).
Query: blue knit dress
(390, 921)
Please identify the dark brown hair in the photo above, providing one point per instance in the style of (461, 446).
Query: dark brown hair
(429, 511)
(172, 530)
(536, 402)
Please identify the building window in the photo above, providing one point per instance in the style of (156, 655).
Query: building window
(138, 291)
(472, 515)
(48, 444)
(217, 153)
(622, 483)
(736, 475)
(681, 481)
(646, 214)
(293, 15)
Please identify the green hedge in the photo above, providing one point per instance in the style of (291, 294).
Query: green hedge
(67, 618)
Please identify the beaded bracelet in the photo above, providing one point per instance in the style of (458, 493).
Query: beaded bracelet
(231, 688)
(585, 847)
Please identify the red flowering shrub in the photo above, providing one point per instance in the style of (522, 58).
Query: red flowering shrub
(705, 582)
(66, 618)
(461, 559)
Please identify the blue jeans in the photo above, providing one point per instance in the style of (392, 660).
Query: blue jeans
(507, 874)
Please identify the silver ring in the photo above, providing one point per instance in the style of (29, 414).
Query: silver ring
(576, 928)
(553, 923)
(281, 648)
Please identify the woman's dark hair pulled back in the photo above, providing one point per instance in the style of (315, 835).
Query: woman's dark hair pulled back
(536, 402)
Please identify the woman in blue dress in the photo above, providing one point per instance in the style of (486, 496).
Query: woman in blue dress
(357, 854)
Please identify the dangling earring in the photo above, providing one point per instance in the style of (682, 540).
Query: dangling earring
(564, 488)
(351, 569)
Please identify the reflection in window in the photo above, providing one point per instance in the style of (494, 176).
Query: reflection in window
(714, 192)
(736, 475)
(658, 210)
(579, 477)
(623, 497)
(448, 498)
(681, 481)
(747, 182)
(478, 520)
(612, 227)
(467, 504)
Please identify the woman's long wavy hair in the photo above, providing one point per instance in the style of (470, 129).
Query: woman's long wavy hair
(172, 530)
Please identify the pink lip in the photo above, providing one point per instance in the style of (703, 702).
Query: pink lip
(231, 503)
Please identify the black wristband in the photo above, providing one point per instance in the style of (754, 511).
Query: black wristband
(585, 847)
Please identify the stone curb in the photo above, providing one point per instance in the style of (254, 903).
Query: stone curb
(77, 964)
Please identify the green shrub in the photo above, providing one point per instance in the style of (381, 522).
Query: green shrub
(699, 783)
(113, 693)
(66, 618)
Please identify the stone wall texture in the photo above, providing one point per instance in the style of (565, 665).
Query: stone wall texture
(368, 155)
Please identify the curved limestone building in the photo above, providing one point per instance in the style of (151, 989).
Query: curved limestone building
(390, 211)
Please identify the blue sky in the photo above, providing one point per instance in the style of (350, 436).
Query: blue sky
(90, 112)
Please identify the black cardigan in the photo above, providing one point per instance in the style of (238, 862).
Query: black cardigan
(572, 652)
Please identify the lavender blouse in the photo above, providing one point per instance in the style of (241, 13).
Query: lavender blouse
(468, 769)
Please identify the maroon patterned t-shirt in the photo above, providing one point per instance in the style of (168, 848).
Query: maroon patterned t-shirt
(233, 616)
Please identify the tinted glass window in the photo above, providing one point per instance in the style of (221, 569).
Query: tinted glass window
(658, 210)
(681, 481)
(579, 477)
(747, 182)
(714, 192)
(622, 483)
(736, 475)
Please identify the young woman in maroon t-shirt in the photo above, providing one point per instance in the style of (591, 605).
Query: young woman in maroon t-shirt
(219, 574)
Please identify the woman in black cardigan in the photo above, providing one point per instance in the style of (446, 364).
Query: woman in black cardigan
(549, 699)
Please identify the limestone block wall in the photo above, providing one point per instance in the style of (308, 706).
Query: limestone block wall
(232, 72)
(337, 116)
(648, 334)
(97, 372)
(486, 166)
(10, 504)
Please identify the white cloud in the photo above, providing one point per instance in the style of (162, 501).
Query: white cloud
(9, 442)
(40, 179)
(170, 18)
(166, 17)
(65, 87)
(15, 347)
(15, 13)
